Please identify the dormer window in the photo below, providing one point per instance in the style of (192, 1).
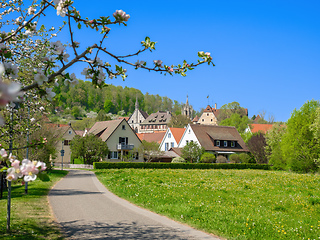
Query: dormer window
(218, 143)
(233, 144)
(225, 143)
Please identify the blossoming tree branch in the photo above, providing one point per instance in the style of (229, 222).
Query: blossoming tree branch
(33, 58)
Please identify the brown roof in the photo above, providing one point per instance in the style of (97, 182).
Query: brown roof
(126, 118)
(158, 118)
(196, 119)
(79, 132)
(263, 128)
(104, 129)
(152, 137)
(176, 150)
(177, 133)
(207, 134)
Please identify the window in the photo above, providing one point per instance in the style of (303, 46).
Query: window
(191, 141)
(70, 132)
(225, 143)
(113, 155)
(218, 143)
(172, 144)
(187, 141)
(169, 135)
(67, 142)
(123, 127)
(207, 114)
(190, 130)
(166, 146)
(202, 120)
(132, 121)
(233, 144)
(211, 120)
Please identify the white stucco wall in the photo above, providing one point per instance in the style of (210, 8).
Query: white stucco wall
(168, 139)
(188, 136)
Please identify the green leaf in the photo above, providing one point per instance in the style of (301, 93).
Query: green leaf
(79, 25)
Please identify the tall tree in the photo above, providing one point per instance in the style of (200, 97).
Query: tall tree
(300, 147)
(179, 121)
(90, 148)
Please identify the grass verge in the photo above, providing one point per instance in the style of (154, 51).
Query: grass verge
(235, 204)
(30, 214)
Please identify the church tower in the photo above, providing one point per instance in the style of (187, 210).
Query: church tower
(187, 110)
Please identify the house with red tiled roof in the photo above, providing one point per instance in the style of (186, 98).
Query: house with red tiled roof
(209, 116)
(171, 138)
(256, 128)
(152, 137)
(219, 140)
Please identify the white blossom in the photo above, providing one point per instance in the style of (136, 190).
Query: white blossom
(40, 77)
(120, 16)
(139, 64)
(31, 10)
(72, 81)
(50, 94)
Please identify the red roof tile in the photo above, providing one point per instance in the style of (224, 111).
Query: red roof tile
(152, 137)
(263, 128)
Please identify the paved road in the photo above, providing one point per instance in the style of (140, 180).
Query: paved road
(87, 210)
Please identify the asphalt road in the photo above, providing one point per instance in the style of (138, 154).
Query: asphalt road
(85, 209)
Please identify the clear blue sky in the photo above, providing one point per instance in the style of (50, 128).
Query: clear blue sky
(267, 53)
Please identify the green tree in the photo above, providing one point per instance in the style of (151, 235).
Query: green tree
(192, 152)
(90, 148)
(300, 147)
(240, 122)
(229, 109)
(179, 121)
(76, 112)
(150, 150)
(102, 116)
(273, 147)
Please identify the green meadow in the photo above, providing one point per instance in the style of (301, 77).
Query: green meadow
(31, 217)
(234, 204)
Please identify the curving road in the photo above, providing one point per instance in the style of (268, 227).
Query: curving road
(87, 210)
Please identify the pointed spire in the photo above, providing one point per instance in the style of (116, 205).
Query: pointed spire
(137, 103)
(187, 102)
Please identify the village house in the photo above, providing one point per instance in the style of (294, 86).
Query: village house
(137, 118)
(219, 140)
(171, 138)
(156, 122)
(64, 133)
(120, 138)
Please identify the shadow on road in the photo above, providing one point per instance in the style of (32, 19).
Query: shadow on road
(120, 230)
(68, 192)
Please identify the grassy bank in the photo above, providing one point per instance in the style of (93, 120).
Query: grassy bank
(236, 204)
(30, 214)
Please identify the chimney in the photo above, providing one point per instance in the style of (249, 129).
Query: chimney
(215, 106)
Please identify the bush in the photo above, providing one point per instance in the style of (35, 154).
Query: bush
(208, 158)
(178, 160)
(78, 161)
(234, 158)
(222, 159)
(159, 165)
(246, 158)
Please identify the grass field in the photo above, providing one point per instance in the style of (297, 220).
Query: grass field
(30, 214)
(235, 204)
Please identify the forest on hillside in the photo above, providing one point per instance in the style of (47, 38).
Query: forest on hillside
(84, 98)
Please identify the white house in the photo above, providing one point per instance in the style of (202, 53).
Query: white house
(171, 138)
(220, 140)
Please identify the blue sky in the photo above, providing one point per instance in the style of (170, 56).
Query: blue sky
(267, 53)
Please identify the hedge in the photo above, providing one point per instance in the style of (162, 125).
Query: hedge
(108, 165)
